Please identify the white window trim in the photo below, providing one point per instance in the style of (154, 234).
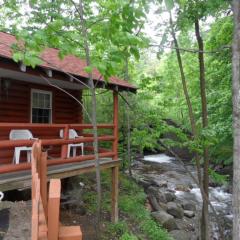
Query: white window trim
(33, 90)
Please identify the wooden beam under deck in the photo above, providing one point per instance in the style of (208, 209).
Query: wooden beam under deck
(22, 179)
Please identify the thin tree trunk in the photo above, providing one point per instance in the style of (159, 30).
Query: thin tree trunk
(205, 215)
(129, 142)
(126, 78)
(236, 120)
(94, 117)
(187, 97)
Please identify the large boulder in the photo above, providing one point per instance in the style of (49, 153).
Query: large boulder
(161, 197)
(189, 205)
(175, 209)
(165, 219)
(154, 203)
(163, 206)
(181, 235)
(170, 196)
(158, 194)
(189, 214)
(152, 190)
(144, 183)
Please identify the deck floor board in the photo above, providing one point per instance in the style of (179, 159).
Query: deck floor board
(22, 179)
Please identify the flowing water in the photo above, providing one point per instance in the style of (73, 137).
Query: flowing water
(165, 168)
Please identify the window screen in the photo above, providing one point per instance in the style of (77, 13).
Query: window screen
(41, 106)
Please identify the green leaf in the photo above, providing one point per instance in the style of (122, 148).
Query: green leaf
(135, 52)
(88, 69)
(169, 4)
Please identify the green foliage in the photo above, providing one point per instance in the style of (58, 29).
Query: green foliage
(133, 205)
(135, 220)
(218, 178)
(111, 31)
(127, 236)
(118, 230)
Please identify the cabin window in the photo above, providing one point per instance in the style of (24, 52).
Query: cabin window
(41, 106)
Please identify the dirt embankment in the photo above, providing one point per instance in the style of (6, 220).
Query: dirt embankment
(15, 223)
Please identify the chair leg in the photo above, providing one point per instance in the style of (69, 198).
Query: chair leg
(74, 151)
(17, 154)
(82, 150)
(69, 151)
(14, 157)
(29, 156)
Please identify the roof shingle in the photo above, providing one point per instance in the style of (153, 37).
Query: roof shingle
(69, 64)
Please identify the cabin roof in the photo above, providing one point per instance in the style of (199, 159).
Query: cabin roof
(69, 64)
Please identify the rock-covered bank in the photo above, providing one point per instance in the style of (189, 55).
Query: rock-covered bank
(175, 200)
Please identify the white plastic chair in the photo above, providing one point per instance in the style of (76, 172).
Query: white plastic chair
(72, 135)
(21, 134)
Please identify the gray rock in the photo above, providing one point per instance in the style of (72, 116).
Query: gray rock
(161, 197)
(152, 191)
(170, 197)
(187, 224)
(163, 206)
(165, 219)
(189, 214)
(160, 183)
(183, 188)
(180, 235)
(144, 183)
(154, 203)
(175, 209)
(189, 205)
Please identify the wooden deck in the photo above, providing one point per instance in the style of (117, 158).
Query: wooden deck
(22, 179)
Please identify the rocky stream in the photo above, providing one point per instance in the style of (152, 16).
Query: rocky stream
(175, 200)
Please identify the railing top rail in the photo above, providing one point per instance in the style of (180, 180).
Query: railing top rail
(58, 141)
(54, 125)
(82, 126)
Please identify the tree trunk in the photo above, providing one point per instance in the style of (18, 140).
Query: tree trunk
(187, 97)
(129, 141)
(94, 117)
(183, 78)
(126, 78)
(205, 215)
(236, 120)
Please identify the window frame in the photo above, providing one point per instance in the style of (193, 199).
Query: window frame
(33, 90)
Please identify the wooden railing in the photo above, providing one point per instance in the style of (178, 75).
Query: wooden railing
(46, 204)
(57, 141)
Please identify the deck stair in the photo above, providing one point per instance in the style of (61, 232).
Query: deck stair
(46, 204)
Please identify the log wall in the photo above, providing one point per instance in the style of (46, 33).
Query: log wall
(15, 107)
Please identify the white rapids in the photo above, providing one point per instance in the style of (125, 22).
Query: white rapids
(159, 158)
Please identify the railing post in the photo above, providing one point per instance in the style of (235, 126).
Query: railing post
(43, 180)
(65, 146)
(53, 208)
(115, 122)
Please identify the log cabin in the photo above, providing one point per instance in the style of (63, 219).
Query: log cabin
(38, 100)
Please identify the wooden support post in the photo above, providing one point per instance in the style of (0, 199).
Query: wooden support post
(115, 170)
(115, 180)
(53, 208)
(43, 180)
(65, 146)
(35, 205)
(115, 122)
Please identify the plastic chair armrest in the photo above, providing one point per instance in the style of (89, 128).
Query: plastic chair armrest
(33, 138)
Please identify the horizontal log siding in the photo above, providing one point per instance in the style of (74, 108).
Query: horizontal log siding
(15, 107)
